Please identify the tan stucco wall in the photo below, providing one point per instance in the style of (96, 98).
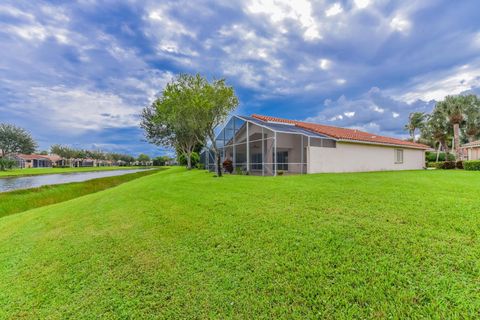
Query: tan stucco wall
(474, 153)
(352, 157)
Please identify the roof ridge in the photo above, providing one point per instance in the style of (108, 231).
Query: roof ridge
(347, 134)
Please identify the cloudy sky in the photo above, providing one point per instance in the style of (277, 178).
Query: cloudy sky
(79, 72)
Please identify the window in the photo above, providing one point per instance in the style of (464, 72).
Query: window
(323, 143)
(398, 156)
(257, 161)
(282, 160)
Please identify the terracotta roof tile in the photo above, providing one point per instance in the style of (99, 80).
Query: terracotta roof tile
(344, 134)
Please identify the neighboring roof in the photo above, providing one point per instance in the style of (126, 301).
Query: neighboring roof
(283, 128)
(31, 157)
(472, 144)
(343, 134)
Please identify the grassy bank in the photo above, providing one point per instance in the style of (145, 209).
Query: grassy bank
(22, 200)
(180, 244)
(37, 171)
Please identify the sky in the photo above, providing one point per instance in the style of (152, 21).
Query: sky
(80, 72)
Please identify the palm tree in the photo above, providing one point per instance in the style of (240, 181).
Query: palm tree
(472, 117)
(438, 127)
(416, 120)
(454, 109)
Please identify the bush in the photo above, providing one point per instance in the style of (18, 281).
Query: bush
(195, 158)
(432, 156)
(228, 165)
(6, 164)
(200, 166)
(459, 164)
(472, 165)
(446, 165)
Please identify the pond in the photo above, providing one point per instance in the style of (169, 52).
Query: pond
(17, 183)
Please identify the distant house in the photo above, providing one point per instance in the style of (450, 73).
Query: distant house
(32, 161)
(471, 150)
(266, 145)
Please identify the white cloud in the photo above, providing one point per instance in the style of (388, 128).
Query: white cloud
(280, 10)
(395, 114)
(325, 64)
(341, 81)
(335, 9)
(362, 4)
(349, 114)
(400, 24)
(437, 85)
(79, 109)
(378, 109)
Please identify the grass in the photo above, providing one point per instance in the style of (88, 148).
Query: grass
(23, 200)
(180, 244)
(37, 171)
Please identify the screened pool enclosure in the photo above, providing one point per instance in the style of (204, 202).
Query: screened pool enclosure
(264, 147)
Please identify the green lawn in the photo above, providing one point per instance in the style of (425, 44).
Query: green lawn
(22, 200)
(181, 245)
(36, 171)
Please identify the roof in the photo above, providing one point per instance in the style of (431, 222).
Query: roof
(31, 157)
(283, 127)
(343, 134)
(472, 144)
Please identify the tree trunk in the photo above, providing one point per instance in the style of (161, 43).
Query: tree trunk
(456, 134)
(219, 164)
(189, 160)
(438, 150)
(211, 135)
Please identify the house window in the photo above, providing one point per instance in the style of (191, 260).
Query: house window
(257, 161)
(282, 160)
(398, 156)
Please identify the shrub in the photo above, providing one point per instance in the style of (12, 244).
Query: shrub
(473, 165)
(446, 165)
(459, 164)
(195, 158)
(200, 166)
(238, 171)
(280, 173)
(6, 164)
(228, 165)
(432, 156)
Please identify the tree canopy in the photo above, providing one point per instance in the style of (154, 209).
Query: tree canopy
(14, 139)
(187, 113)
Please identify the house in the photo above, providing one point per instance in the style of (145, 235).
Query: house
(31, 161)
(266, 145)
(471, 150)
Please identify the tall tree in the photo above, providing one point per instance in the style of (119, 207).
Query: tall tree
(171, 120)
(15, 140)
(221, 102)
(472, 117)
(416, 120)
(439, 128)
(454, 108)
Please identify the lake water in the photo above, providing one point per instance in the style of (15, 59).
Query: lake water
(17, 183)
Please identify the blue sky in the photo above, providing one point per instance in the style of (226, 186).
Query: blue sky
(79, 72)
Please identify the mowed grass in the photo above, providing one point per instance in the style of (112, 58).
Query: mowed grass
(37, 171)
(181, 245)
(23, 200)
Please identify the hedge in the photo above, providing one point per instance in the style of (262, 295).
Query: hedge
(446, 165)
(472, 165)
(432, 156)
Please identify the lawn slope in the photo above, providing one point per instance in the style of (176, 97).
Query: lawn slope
(180, 244)
(22, 200)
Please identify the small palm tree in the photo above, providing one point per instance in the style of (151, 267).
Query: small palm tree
(416, 120)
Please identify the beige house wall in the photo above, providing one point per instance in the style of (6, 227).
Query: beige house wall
(474, 153)
(356, 157)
